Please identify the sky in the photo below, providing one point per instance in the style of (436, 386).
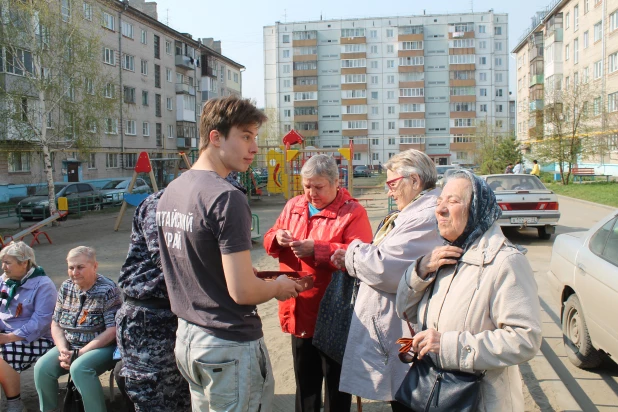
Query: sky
(239, 24)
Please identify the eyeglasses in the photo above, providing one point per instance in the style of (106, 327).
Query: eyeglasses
(406, 355)
(390, 184)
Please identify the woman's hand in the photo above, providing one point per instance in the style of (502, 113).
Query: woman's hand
(426, 341)
(284, 238)
(440, 256)
(302, 248)
(338, 259)
(65, 358)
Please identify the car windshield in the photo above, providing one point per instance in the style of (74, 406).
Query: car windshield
(442, 169)
(113, 184)
(42, 191)
(515, 182)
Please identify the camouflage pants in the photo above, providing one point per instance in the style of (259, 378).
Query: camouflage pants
(146, 340)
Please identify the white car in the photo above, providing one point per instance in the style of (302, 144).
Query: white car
(583, 276)
(525, 202)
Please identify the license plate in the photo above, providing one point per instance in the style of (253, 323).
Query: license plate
(26, 210)
(526, 220)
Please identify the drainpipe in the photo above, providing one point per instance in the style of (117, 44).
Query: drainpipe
(121, 91)
(603, 80)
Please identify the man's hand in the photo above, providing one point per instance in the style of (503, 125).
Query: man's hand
(338, 259)
(284, 238)
(287, 288)
(302, 248)
(440, 256)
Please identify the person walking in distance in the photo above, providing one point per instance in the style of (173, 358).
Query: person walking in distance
(204, 224)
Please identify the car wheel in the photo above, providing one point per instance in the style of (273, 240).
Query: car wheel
(28, 218)
(575, 336)
(543, 233)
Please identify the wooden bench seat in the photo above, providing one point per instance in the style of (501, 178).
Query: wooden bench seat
(580, 172)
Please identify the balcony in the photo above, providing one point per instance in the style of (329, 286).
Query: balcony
(184, 62)
(554, 36)
(182, 88)
(536, 79)
(536, 105)
(186, 142)
(535, 52)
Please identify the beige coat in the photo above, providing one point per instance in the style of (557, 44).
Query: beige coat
(488, 314)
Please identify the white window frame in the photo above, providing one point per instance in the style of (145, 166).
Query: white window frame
(128, 62)
(169, 104)
(131, 128)
(109, 21)
(109, 56)
(144, 37)
(145, 129)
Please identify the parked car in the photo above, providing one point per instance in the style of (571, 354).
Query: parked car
(80, 195)
(525, 202)
(583, 274)
(113, 192)
(444, 172)
(361, 171)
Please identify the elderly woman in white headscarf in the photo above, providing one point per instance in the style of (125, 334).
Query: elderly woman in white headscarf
(475, 296)
(27, 301)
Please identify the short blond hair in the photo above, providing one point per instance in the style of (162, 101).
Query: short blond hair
(20, 251)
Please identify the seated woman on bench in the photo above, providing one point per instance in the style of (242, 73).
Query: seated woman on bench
(84, 330)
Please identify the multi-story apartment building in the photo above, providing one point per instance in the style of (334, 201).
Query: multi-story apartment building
(570, 43)
(425, 82)
(160, 76)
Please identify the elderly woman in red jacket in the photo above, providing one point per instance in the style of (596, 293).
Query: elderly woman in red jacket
(308, 231)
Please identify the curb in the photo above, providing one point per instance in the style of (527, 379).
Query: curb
(587, 202)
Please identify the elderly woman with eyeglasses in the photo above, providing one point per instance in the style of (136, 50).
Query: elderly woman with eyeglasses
(475, 296)
(83, 325)
(370, 366)
(27, 300)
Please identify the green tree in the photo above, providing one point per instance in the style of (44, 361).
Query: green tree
(507, 152)
(494, 151)
(55, 94)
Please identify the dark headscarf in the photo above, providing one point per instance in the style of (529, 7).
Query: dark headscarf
(484, 210)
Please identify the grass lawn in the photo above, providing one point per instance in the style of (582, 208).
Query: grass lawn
(604, 193)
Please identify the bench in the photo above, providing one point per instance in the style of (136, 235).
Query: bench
(361, 188)
(580, 172)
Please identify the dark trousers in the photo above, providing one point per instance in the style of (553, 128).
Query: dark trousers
(311, 367)
(397, 407)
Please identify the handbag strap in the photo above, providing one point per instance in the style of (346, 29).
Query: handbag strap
(433, 284)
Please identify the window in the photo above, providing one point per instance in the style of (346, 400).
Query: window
(613, 21)
(128, 62)
(412, 45)
(482, 28)
(109, 56)
(145, 98)
(287, 83)
(390, 79)
(598, 33)
(374, 79)
(586, 75)
(168, 47)
(88, 11)
(170, 131)
(157, 47)
(497, 31)
(375, 110)
(483, 92)
(598, 69)
(286, 68)
(412, 92)
(89, 86)
(92, 161)
(127, 29)
(612, 102)
(586, 6)
(586, 39)
(144, 37)
(109, 21)
(567, 52)
(111, 126)
(482, 60)
(461, 59)
(498, 46)
(375, 125)
(109, 91)
(567, 21)
(129, 94)
(391, 110)
(286, 53)
(567, 82)
(482, 77)
(391, 125)
(111, 160)
(19, 162)
(596, 106)
(286, 38)
(483, 108)
(169, 103)
(575, 51)
(157, 76)
(499, 108)
(498, 77)
(412, 107)
(157, 105)
(390, 48)
(389, 33)
(575, 18)
(375, 142)
(605, 242)
(414, 123)
(357, 156)
(355, 32)
(373, 49)
(374, 95)
(131, 128)
(286, 98)
(483, 44)
(412, 61)
(144, 67)
(498, 61)
(287, 113)
(613, 62)
(498, 92)
(499, 124)
(349, 63)
(168, 75)
(145, 129)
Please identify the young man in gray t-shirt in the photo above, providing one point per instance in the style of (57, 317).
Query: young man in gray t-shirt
(205, 225)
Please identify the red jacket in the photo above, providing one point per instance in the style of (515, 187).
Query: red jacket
(332, 228)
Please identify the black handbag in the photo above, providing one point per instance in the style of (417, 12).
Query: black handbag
(335, 315)
(73, 399)
(428, 387)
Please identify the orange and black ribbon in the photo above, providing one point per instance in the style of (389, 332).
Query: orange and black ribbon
(19, 309)
(84, 316)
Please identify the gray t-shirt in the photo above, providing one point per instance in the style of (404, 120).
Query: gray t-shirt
(200, 217)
